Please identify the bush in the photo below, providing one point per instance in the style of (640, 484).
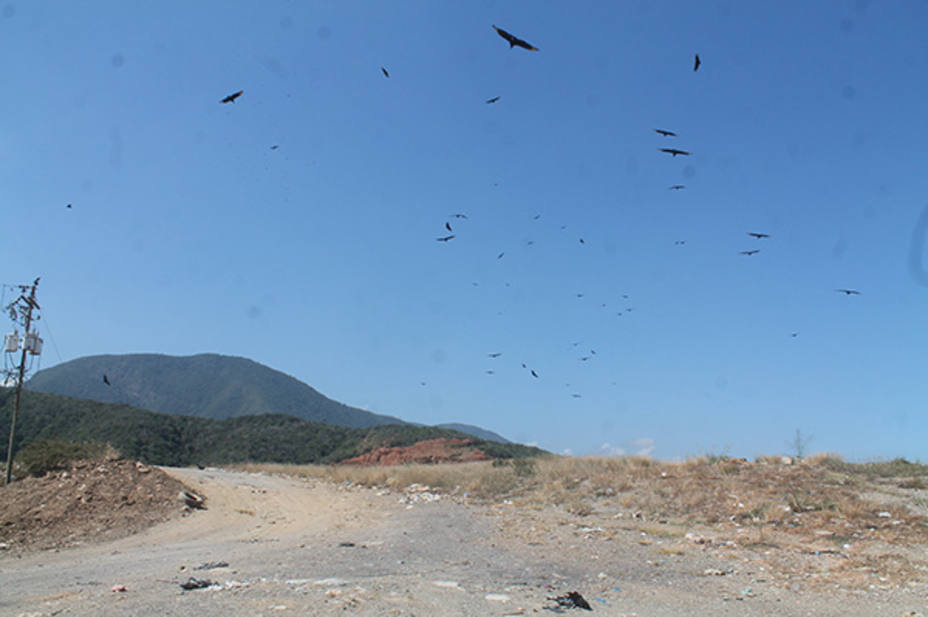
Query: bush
(44, 455)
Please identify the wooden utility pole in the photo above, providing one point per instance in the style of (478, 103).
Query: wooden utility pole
(30, 304)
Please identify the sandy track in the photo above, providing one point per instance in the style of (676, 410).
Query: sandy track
(282, 539)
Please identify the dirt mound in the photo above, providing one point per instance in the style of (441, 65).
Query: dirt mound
(91, 501)
(429, 451)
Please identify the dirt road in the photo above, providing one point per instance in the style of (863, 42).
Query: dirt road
(297, 547)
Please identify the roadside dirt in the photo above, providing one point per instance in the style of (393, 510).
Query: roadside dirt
(280, 546)
(91, 501)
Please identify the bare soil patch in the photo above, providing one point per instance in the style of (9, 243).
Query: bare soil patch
(89, 502)
(430, 451)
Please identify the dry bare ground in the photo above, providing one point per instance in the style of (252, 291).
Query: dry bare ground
(633, 536)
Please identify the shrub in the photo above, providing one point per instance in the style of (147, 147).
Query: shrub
(44, 455)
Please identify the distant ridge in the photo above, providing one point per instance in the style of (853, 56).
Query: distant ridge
(175, 439)
(207, 386)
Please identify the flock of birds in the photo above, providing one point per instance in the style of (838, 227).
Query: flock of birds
(449, 229)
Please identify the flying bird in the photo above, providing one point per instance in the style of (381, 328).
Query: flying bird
(106, 380)
(536, 217)
(581, 241)
(679, 242)
(534, 374)
(493, 100)
(500, 256)
(674, 151)
(754, 234)
(231, 98)
(448, 226)
(514, 41)
(459, 216)
(794, 334)
(576, 396)
(696, 63)
(495, 355)
(274, 147)
(849, 292)
(385, 72)
(69, 205)
(445, 238)
(489, 372)
(749, 253)
(677, 187)
(665, 133)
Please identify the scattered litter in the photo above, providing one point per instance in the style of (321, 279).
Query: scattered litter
(419, 493)
(883, 514)
(212, 565)
(715, 572)
(4, 546)
(333, 582)
(192, 500)
(448, 584)
(119, 588)
(573, 599)
(346, 544)
(497, 597)
(196, 583)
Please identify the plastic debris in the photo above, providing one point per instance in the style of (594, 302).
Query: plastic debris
(119, 588)
(211, 565)
(573, 599)
(196, 583)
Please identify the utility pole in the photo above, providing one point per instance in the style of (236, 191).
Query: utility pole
(31, 343)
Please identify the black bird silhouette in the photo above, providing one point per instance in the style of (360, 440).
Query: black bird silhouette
(665, 133)
(500, 256)
(536, 217)
(749, 253)
(459, 216)
(385, 72)
(581, 241)
(231, 98)
(534, 374)
(849, 292)
(576, 396)
(679, 242)
(495, 355)
(677, 187)
(106, 380)
(754, 234)
(445, 238)
(448, 226)
(69, 205)
(489, 372)
(696, 63)
(274, 147)
(674, 151)
(514, 41)
(794, 334)
(493, 100)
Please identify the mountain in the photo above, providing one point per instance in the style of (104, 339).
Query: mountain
(206, 386)
(172, 439)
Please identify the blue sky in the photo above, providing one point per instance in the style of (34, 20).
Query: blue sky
(189, 234)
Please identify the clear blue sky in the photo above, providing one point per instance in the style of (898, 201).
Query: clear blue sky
(189, 234)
